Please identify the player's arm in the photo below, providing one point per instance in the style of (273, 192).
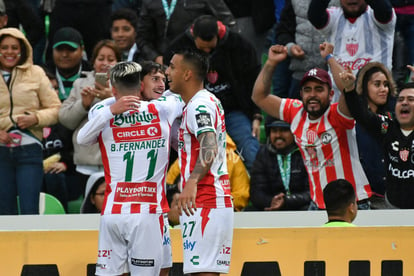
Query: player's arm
(98, 116)
(261, 90)
(207, 154)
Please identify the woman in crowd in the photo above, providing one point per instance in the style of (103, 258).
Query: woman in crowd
(27, 104)
(376, 87)
(85, 93)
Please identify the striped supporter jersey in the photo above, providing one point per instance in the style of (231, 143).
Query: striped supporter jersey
(328, 146)
(204, 113)
(135, 153)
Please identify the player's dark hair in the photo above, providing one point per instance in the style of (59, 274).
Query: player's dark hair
(197, 60)
(149, 67)
(408, 85)
(338, 194)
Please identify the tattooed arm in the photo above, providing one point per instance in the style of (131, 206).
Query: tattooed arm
(206, 156)
(261, 90)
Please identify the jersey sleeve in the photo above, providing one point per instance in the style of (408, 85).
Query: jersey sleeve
(98, 116)
(289, 108)
(201, 117)
(333, 14)
(172, 106)
(338, 119)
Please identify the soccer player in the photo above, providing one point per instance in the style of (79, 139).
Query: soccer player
(207, 221)
(131, 133)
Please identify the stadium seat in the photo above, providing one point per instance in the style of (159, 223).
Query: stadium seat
(260, 268)
(50, 205)
(40, 270)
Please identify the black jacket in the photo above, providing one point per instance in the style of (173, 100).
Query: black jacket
(153, 37)
(266, 180)
(233, 69)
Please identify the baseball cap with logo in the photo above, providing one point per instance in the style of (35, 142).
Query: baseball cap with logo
(67, 36)
(318, 74)
(2, 8)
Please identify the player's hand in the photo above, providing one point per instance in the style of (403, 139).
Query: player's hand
(187, 198)
(347, 79)
(325, 49)
(125, 103)
(297, 51)
(27, 120)
(276, 54)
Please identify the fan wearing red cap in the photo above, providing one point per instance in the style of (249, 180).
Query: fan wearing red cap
(323, 131)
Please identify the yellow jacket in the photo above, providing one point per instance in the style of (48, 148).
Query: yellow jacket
(239, 178)
(29, 91)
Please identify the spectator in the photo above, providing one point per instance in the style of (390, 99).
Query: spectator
(302, 40)
(254, 19)
(85, 93)
(23, 113)
(22, 13)
(396, 136)
(94, 194)
(376, 89)
(124, 33)
(67, 63)
(404, 39)
(173, 193)
(279, 180)
(59, 171)
(160, 22)
(138, 215)
(239, 178)
(323, 132)
(205, 187)
(362, 31)
(89, 17)
(340, 202)
(232, 72)
(404, 10)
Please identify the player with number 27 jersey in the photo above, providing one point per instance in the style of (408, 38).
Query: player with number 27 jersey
(135, 153)
(204, 113)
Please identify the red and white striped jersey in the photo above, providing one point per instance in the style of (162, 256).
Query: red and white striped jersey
(328, 146)
(204, 113)
(135, 153)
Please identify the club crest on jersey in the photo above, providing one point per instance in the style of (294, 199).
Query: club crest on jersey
(203, 120)
(404, 154)
(352, 46)
(326, 138)
(311, 136)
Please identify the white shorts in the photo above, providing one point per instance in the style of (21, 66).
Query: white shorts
(130, 243)
(207, 240)
(166, 244)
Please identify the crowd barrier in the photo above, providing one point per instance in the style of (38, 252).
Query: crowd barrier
(291, 243)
